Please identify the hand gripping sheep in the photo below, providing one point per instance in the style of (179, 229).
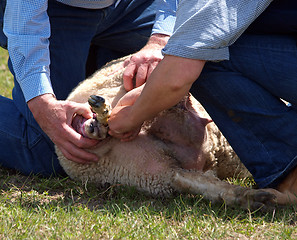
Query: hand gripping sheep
(179, 151)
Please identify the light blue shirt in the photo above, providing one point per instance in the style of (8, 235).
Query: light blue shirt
(204, 29)
(165, 19)
(27, 26)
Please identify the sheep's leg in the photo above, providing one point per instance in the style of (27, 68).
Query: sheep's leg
(216, 190)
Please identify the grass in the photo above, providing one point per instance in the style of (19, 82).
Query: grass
(6, 79)
(32, 207)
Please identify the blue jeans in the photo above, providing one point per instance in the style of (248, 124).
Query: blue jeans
(24, 146)
(243, 96)
(3, 39)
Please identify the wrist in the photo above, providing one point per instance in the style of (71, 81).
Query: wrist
(136, 118)
(40, 102)
(158, 40)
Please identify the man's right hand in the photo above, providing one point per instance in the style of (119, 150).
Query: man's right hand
(55, 118)
(141, 64)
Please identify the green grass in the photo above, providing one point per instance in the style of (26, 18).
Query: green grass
(6, 79)
(59, 208)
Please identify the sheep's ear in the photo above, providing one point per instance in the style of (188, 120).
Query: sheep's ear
(196, 108)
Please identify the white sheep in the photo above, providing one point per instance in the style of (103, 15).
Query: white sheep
(180, 150)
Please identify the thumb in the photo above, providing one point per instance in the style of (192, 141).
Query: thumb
(84, 109)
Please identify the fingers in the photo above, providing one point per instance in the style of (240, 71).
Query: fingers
(139, 67)
(116, 134)
(129, 98)
(78, 155)
(141, 74)
(72, 144)
(129, 136)
(55, 118)
(151, 68)
(125, 137)
(128, 76)
(82, 109)
(74, 147)
(79, 140)
(126, 62)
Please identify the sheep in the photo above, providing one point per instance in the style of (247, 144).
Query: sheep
(179, 151)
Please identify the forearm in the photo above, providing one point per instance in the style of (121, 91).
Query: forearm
(169, 82)
(27, 27)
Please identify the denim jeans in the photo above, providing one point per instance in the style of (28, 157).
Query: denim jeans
(243, 96)
(3, 38)
(113, 32)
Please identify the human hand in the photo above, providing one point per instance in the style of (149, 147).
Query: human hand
(130, 97)
(55, 119)
(165, 88)
(121, 125)
(139, 67)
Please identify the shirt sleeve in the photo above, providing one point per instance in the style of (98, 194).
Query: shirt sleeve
(27, 27)
(204, 29)
(165, 17)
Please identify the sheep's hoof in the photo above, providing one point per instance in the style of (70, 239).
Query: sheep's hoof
(96, 101)
(99, 107)
(257, 199)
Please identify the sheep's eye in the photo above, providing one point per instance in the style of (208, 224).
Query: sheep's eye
(91, 128)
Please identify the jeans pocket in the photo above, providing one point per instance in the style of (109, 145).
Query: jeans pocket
(3, 38)
(33, 137)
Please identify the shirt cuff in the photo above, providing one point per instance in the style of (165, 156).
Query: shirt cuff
(36, 85)
(207, 54)
(164, 25)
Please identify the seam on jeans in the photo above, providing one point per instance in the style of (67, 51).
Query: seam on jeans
(275, 179)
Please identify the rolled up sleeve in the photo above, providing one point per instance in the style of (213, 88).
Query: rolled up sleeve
(204, 29)
(165, 17)
(27, 27)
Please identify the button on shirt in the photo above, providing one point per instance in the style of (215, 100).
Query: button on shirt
(27, 26)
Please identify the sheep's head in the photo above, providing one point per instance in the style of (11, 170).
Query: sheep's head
(96, 127)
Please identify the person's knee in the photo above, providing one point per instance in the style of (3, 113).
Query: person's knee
(215, 82)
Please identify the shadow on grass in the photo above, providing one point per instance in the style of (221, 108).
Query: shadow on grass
(35, 192)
